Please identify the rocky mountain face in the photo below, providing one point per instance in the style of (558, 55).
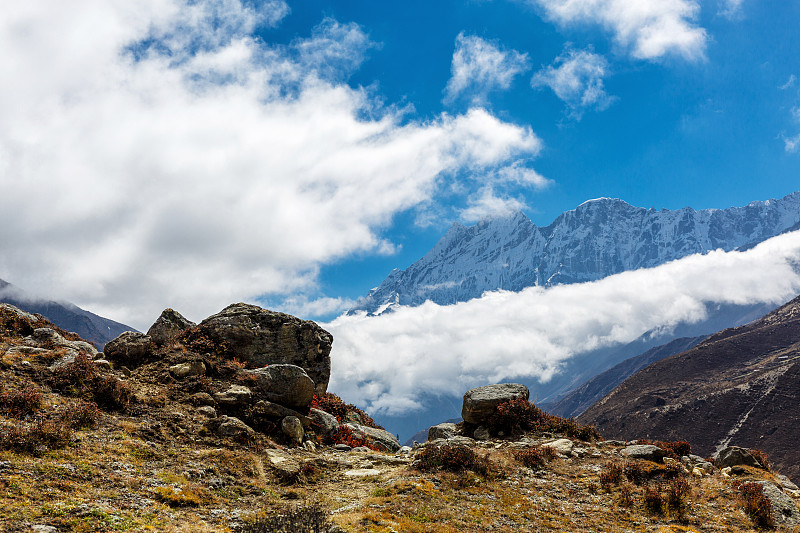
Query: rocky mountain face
(599, 238)
(89, 326)
(739, 384)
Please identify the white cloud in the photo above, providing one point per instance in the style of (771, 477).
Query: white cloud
(486, 204)
(792, 144)
(387, 362)
(303, 306)
(731, 8)
(159, 155)
(480, 67)
(789, 83)
(576, 77)
(649, 28)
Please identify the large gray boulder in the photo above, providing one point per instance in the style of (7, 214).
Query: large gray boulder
(380, 437)
(260, 337)
(735, 456)
(479, 404)
(130, 349)
(168, 326)
(326, 422)
(288, 385)
(784, 509)
(647, 452)
(445, 430)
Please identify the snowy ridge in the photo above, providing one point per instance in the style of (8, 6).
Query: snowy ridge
(600, 237)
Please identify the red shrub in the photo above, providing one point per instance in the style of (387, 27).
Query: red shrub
(345, 435)
(332, 404)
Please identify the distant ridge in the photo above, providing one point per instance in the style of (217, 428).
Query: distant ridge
(92, 327)
(598, 238)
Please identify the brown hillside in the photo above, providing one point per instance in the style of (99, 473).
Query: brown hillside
(741, 385)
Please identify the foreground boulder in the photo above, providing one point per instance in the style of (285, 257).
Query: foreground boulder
(445, 430)
(260, 337)
(168, 326)
(380, 437)
(648, 452)
(288, 385)
(479, 404)
(130, 349)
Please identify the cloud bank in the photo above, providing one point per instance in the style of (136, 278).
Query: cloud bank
(387, 362)
(163, 155)
(648, 28)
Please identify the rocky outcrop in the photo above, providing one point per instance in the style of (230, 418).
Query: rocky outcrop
(735, 456)
(130, 349)
(480, 403)
(444, 430)
(168, 326)
(784, 509)
(260, 337)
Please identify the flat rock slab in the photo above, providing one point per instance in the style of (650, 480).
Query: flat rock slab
(479, 404)
(647, 452)
(363, 472)
(562, 446)
(281, 461)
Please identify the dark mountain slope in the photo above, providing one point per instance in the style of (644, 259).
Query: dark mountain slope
(92, 327)
(740, 385)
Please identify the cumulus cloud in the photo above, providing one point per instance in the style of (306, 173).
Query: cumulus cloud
(487, 204)
(388, 362)
(160, 155)
(576, 77)
(648, 28)
(480, 67)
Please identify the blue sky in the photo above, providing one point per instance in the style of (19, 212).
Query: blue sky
(707, 130)
(191, 153)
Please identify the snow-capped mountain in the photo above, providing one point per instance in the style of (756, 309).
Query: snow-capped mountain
(599, 238)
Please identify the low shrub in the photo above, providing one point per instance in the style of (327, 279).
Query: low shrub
(345, 435)
(81, 414)
(20, 403)
(635, 472)
(626, 495)
(304, 519)
(451, 458)
(35, 437)
(761, 457)
(332, 404)
(518, 416)
(81, 378)
(675, 449)
(535, 456)
(653, 500)
(188, 496)
(678, 490)
(611, 475)
(756, 504)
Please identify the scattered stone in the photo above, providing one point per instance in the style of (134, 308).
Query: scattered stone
(293, 429)
(236, 395)
(105, 364)
(207, 411)
(611, 443)
(479, 404)
(360, 449)
(480, 433)
(733, 456)
(168, 326)
(282, 462)
(697, 472)
(261, 337)
(202, 398)
(309, 446)
(442, 431)
(342, 447)
(285, 384)
(647, 452)
(726, 472)
(130, 349)
(562, 446)
(784, 509)
(229, 426)
(40, 528)
(363, 472)
(380, 437)
(185, 370)
(404, 450)
(326, 421)
(273, 410)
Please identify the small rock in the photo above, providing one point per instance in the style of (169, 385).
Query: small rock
(786, 482)
(442, 431)
(130, 349)
(202, 398)
(207, 411)
(236, 395)
(562, 446)
(327, 422)
(185, 370)
(479, 403)
(480, 433)
(361, 449)
(309, 446)
(282, 462)
(293, 429)
(697, 472)
(404, 450)
(644, 451)
(342, 447)
(39, 528)
(726, 472)
(228, 426)
(103, 363)
(363, 472)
